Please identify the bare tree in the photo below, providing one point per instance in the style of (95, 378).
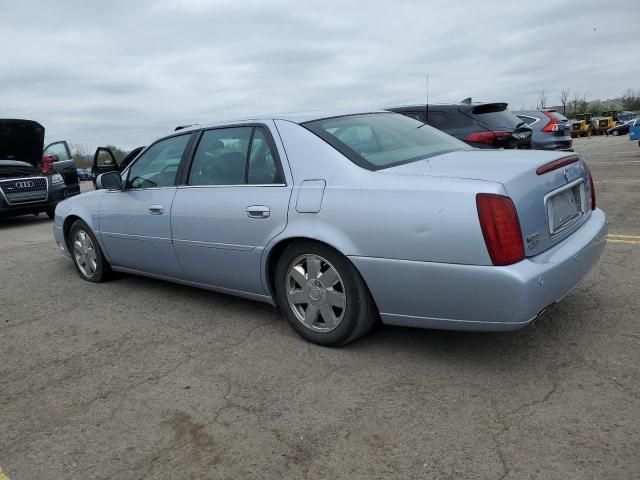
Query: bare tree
(564, 99)
(578, 103)
(542, 100)
(630, 100)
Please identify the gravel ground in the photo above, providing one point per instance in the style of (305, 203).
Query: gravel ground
(139, 379)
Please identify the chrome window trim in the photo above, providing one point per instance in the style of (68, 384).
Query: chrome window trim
(557, 191)
(235, 185)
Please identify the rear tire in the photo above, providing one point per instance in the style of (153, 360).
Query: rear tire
(322, 294)
(86, 254)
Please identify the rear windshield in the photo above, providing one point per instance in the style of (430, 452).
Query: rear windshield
(382, 140)
(496, 116)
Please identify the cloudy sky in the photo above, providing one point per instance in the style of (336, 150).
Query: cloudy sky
(126, 72)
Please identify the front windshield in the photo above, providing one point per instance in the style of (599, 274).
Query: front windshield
(382, 140)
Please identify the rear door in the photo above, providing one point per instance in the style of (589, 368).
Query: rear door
(234, 201)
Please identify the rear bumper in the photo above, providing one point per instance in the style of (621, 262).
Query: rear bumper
(475, 297)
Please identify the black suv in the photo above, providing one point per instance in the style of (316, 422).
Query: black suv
(33, 179)
(482, 125)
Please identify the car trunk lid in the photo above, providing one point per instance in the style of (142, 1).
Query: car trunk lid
(551, 205)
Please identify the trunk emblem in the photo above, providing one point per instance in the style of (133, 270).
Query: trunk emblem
(565, 172)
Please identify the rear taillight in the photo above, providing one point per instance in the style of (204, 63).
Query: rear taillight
(592, 188)
(486, 137)
(47, 165)
(500, 228)
(556, 164)
(552, 126)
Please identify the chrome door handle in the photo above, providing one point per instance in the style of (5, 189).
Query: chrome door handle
(258, 211)
(156, 209)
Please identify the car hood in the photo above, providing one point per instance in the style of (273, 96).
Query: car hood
(14, 168)
(490, 165)
(21, 140)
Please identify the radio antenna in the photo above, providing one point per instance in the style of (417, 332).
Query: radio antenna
(426, 107)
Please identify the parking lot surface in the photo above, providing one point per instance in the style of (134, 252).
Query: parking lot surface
(140, 379)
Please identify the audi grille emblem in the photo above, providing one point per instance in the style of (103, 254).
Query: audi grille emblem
(566, 175)
(27, 184)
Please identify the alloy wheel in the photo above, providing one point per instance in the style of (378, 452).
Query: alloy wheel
(85, 254)
(315, 292)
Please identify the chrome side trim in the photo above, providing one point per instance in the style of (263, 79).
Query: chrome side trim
(128, 236)
(223, 246)
(181, 187)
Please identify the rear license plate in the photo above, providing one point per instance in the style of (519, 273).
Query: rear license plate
(565, 207)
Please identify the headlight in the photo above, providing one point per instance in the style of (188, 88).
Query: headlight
(56, 178)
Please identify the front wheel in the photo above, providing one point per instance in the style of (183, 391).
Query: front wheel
(86, 254)
(322, 295)
(615, 133)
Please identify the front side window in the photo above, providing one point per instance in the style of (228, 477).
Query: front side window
(157, 167)
(382, 140)
(234, 156)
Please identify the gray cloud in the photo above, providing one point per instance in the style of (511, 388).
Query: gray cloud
(126, 72)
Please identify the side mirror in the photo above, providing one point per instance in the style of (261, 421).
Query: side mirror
(109, 181)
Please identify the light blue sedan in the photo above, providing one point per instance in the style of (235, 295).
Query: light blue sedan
(341, 219)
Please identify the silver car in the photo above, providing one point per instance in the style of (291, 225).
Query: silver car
(341, 219)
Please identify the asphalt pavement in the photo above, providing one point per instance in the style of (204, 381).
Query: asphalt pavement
(140, 379)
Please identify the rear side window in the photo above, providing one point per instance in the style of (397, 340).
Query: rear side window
(438, 119)
(381, 140)
(559, 116)
(495, 116)
(235, 156)
(528, 120)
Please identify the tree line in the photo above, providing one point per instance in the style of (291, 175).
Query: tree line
(575, 102)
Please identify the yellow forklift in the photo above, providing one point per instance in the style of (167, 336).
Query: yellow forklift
(582, 126)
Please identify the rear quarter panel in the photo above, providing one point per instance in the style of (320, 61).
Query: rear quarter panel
(380, 214)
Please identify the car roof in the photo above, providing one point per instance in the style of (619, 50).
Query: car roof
(295, 117)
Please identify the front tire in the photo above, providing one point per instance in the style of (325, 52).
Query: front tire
(86, 254)
(615, 133)
(322, 294)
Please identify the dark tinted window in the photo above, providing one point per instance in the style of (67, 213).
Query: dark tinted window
(559, 116)
(527, 120)
(263, 166)
(157, 167)
(381, 140)
(221, 158)
(495, 115)
(420, 116)
(438, 119)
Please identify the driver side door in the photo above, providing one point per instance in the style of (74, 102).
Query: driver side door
(135, 223)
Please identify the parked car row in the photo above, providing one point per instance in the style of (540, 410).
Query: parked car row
(492, 125)
(343, 218)
(33, 178)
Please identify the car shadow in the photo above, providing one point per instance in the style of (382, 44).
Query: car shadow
(11, 222)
